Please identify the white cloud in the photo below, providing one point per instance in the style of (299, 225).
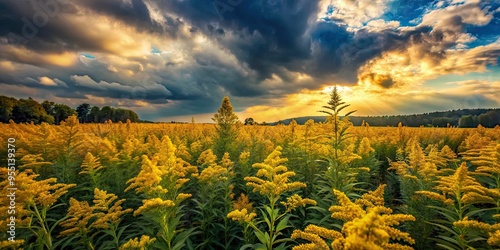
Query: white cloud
(88, 82)
(46, 81)
(470, 12)
(354, 12)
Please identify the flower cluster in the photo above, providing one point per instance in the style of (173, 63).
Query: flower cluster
(276, 176)
(241, 215)
(138, 244)
(103, 214)
(368, 225)
(296, 201)
(460, 187)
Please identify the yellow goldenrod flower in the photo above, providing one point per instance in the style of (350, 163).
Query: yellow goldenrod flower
(460, 186)
(207, 158)
(79, 214)
(244, 156)
(106, 213)
(154, 203)
(7, 244)
(90, 164)
(243, 203)
(241, 215)
(138, 244)
(212, 174)
(276, 176)
(365, 148)
(181, 197)
(494, 239)
(493, 230)
(313, 238)
(368, 225)
(296, 201)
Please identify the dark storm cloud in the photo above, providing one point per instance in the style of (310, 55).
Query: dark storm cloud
(52, 27)
(269, 37)
(275, 35)
(266, 34)
(270, 40)
(135, 14)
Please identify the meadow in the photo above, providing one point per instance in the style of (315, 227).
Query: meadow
(204, 186)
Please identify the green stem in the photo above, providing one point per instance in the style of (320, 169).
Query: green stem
(42, 222)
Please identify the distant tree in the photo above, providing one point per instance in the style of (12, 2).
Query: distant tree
(123, 115)
(49, 107)
(443, 122)
(62, 112)
(466, 121)
(94, 114)
(249, 121)
(83, 111)
(7, 104)
(106, 113)
(133, 117)
(29, 110)
(225, 120)
(484, 120)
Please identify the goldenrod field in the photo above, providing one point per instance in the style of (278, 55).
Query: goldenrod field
(312, 186)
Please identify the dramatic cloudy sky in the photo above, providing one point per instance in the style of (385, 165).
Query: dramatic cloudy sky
(174, 59)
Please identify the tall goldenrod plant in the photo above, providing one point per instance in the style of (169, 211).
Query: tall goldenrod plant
(84, 223)
(459, 194)
(213, 201)
(272, 181)
(34, 199)
(160, 182)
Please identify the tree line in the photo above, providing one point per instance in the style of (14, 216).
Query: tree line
(464, 118)
(29, 110)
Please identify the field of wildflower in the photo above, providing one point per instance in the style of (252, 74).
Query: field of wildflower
(314, 186)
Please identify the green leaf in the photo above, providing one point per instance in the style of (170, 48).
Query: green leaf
(283, 223)
(449, 239)
(247, 246)
(446, 247)
(263, 237)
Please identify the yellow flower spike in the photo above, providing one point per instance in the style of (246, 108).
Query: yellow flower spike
(207, 158)
(244, 156)
(154, 203)
(149, 176)
(243, 203)
(296, 201)
(373, 198)
(90, 164)
(7, 244)
(346, 210)
(323, 232)
(460, 185)
(308, 246)
(181, 197)
(79, 214)
(313, 238)
(212, 174)
(138, 244)
(494, 239)
(473, 224)
(365, 148)
(241, 215)
(107, 214)
(368, 224)
(275, 179)
(226, 162)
